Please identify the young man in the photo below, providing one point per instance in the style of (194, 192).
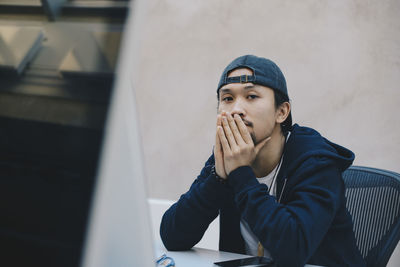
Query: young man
(277, 188)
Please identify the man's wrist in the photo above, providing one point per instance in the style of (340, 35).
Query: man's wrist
(242, 178)
(216, 176)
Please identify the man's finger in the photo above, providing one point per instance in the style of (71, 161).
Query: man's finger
(218, 145)
(219, 157)
(243, 129)
(224, 142)
(236, 133)
(228, 133)
(261, 144)
(219, 123)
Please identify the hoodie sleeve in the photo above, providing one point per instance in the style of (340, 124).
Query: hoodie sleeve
(292, 231)
(184, 223)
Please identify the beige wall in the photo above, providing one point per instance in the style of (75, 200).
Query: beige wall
(341, 60)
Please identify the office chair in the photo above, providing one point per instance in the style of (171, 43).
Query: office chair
(373, 200)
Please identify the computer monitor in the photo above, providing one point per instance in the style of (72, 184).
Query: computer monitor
(119, 231)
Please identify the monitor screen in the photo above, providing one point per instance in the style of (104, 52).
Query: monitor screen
(119, 231)
(72, 191)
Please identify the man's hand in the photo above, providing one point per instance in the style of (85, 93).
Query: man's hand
(237, 146)
(218, 153)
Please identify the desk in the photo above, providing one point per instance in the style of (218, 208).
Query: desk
(197, 257)
(200, 257)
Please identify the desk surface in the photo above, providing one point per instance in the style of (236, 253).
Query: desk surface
(200, 257)
(197, 257)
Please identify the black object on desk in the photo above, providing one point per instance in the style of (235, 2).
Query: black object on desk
(252, 261)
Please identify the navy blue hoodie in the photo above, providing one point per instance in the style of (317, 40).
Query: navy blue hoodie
(307, 221)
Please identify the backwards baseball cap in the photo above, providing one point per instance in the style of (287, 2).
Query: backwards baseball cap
(265, 72)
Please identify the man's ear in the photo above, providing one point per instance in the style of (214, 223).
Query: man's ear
(283, 112)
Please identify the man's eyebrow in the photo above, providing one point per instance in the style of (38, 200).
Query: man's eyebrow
(248, 87)
(227, 90)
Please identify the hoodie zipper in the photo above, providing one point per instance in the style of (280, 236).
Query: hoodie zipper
(283, 188)
(284, 182)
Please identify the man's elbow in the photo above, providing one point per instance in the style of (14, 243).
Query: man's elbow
(170, 240)
(174, 245)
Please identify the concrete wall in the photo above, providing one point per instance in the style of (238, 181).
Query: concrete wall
(341, 60)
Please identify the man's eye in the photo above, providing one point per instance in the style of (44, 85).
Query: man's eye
(227, 98)
(252, 96)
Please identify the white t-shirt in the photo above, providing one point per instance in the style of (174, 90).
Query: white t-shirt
(250, 239)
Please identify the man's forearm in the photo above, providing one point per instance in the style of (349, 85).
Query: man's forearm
(185, 222)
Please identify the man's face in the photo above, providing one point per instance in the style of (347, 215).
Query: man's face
(254, 103)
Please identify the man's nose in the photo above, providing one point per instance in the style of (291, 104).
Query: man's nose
(238, 108)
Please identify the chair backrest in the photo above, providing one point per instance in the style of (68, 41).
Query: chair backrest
(373, 200)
